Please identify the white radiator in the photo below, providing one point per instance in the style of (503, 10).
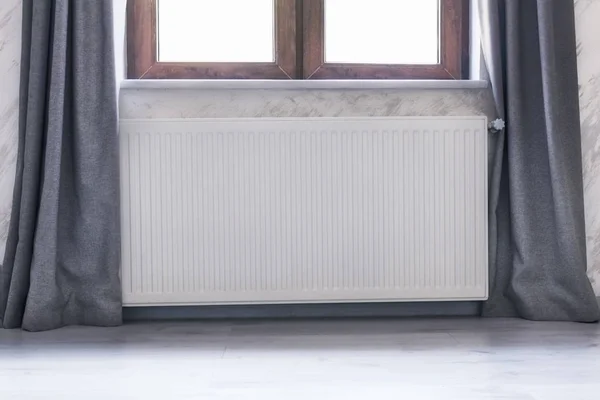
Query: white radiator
(304, 210)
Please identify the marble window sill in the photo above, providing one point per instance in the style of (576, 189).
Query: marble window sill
(226, 84)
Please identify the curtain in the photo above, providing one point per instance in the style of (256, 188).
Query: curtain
(61, 265)
(537, 231)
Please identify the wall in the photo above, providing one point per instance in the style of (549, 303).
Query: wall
(157, 103)
(119, 15)
(10, 53)
(161, 103)
(587, 14)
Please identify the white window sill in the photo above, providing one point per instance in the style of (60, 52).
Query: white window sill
(258, 84)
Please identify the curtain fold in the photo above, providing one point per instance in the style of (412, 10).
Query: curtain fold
(537, 230)
(61, 265)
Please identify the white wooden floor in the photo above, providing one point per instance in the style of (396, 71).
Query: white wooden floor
(440, 359)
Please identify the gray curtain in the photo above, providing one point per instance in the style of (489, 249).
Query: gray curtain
(537, 230)
(61, 265)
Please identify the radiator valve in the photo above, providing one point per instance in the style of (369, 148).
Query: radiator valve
(496, 125)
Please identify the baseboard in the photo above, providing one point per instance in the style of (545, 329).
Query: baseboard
(361, 310)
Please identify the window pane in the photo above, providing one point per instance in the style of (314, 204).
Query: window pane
(215, 30)
(382, 31)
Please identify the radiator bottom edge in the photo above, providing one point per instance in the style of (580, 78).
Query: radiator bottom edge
(283, 311)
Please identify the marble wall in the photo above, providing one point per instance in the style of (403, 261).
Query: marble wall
(10, 53)
(157, 103)
(189, 103)
(588, 46)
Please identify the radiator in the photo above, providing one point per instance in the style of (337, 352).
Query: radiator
(226, 211)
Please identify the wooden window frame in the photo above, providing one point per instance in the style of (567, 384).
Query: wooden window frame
(299, 49)
(142, 49)
(454, 49)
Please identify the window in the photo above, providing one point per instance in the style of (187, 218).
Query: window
(297, 39)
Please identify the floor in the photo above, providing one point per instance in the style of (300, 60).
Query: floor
(441, 359)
